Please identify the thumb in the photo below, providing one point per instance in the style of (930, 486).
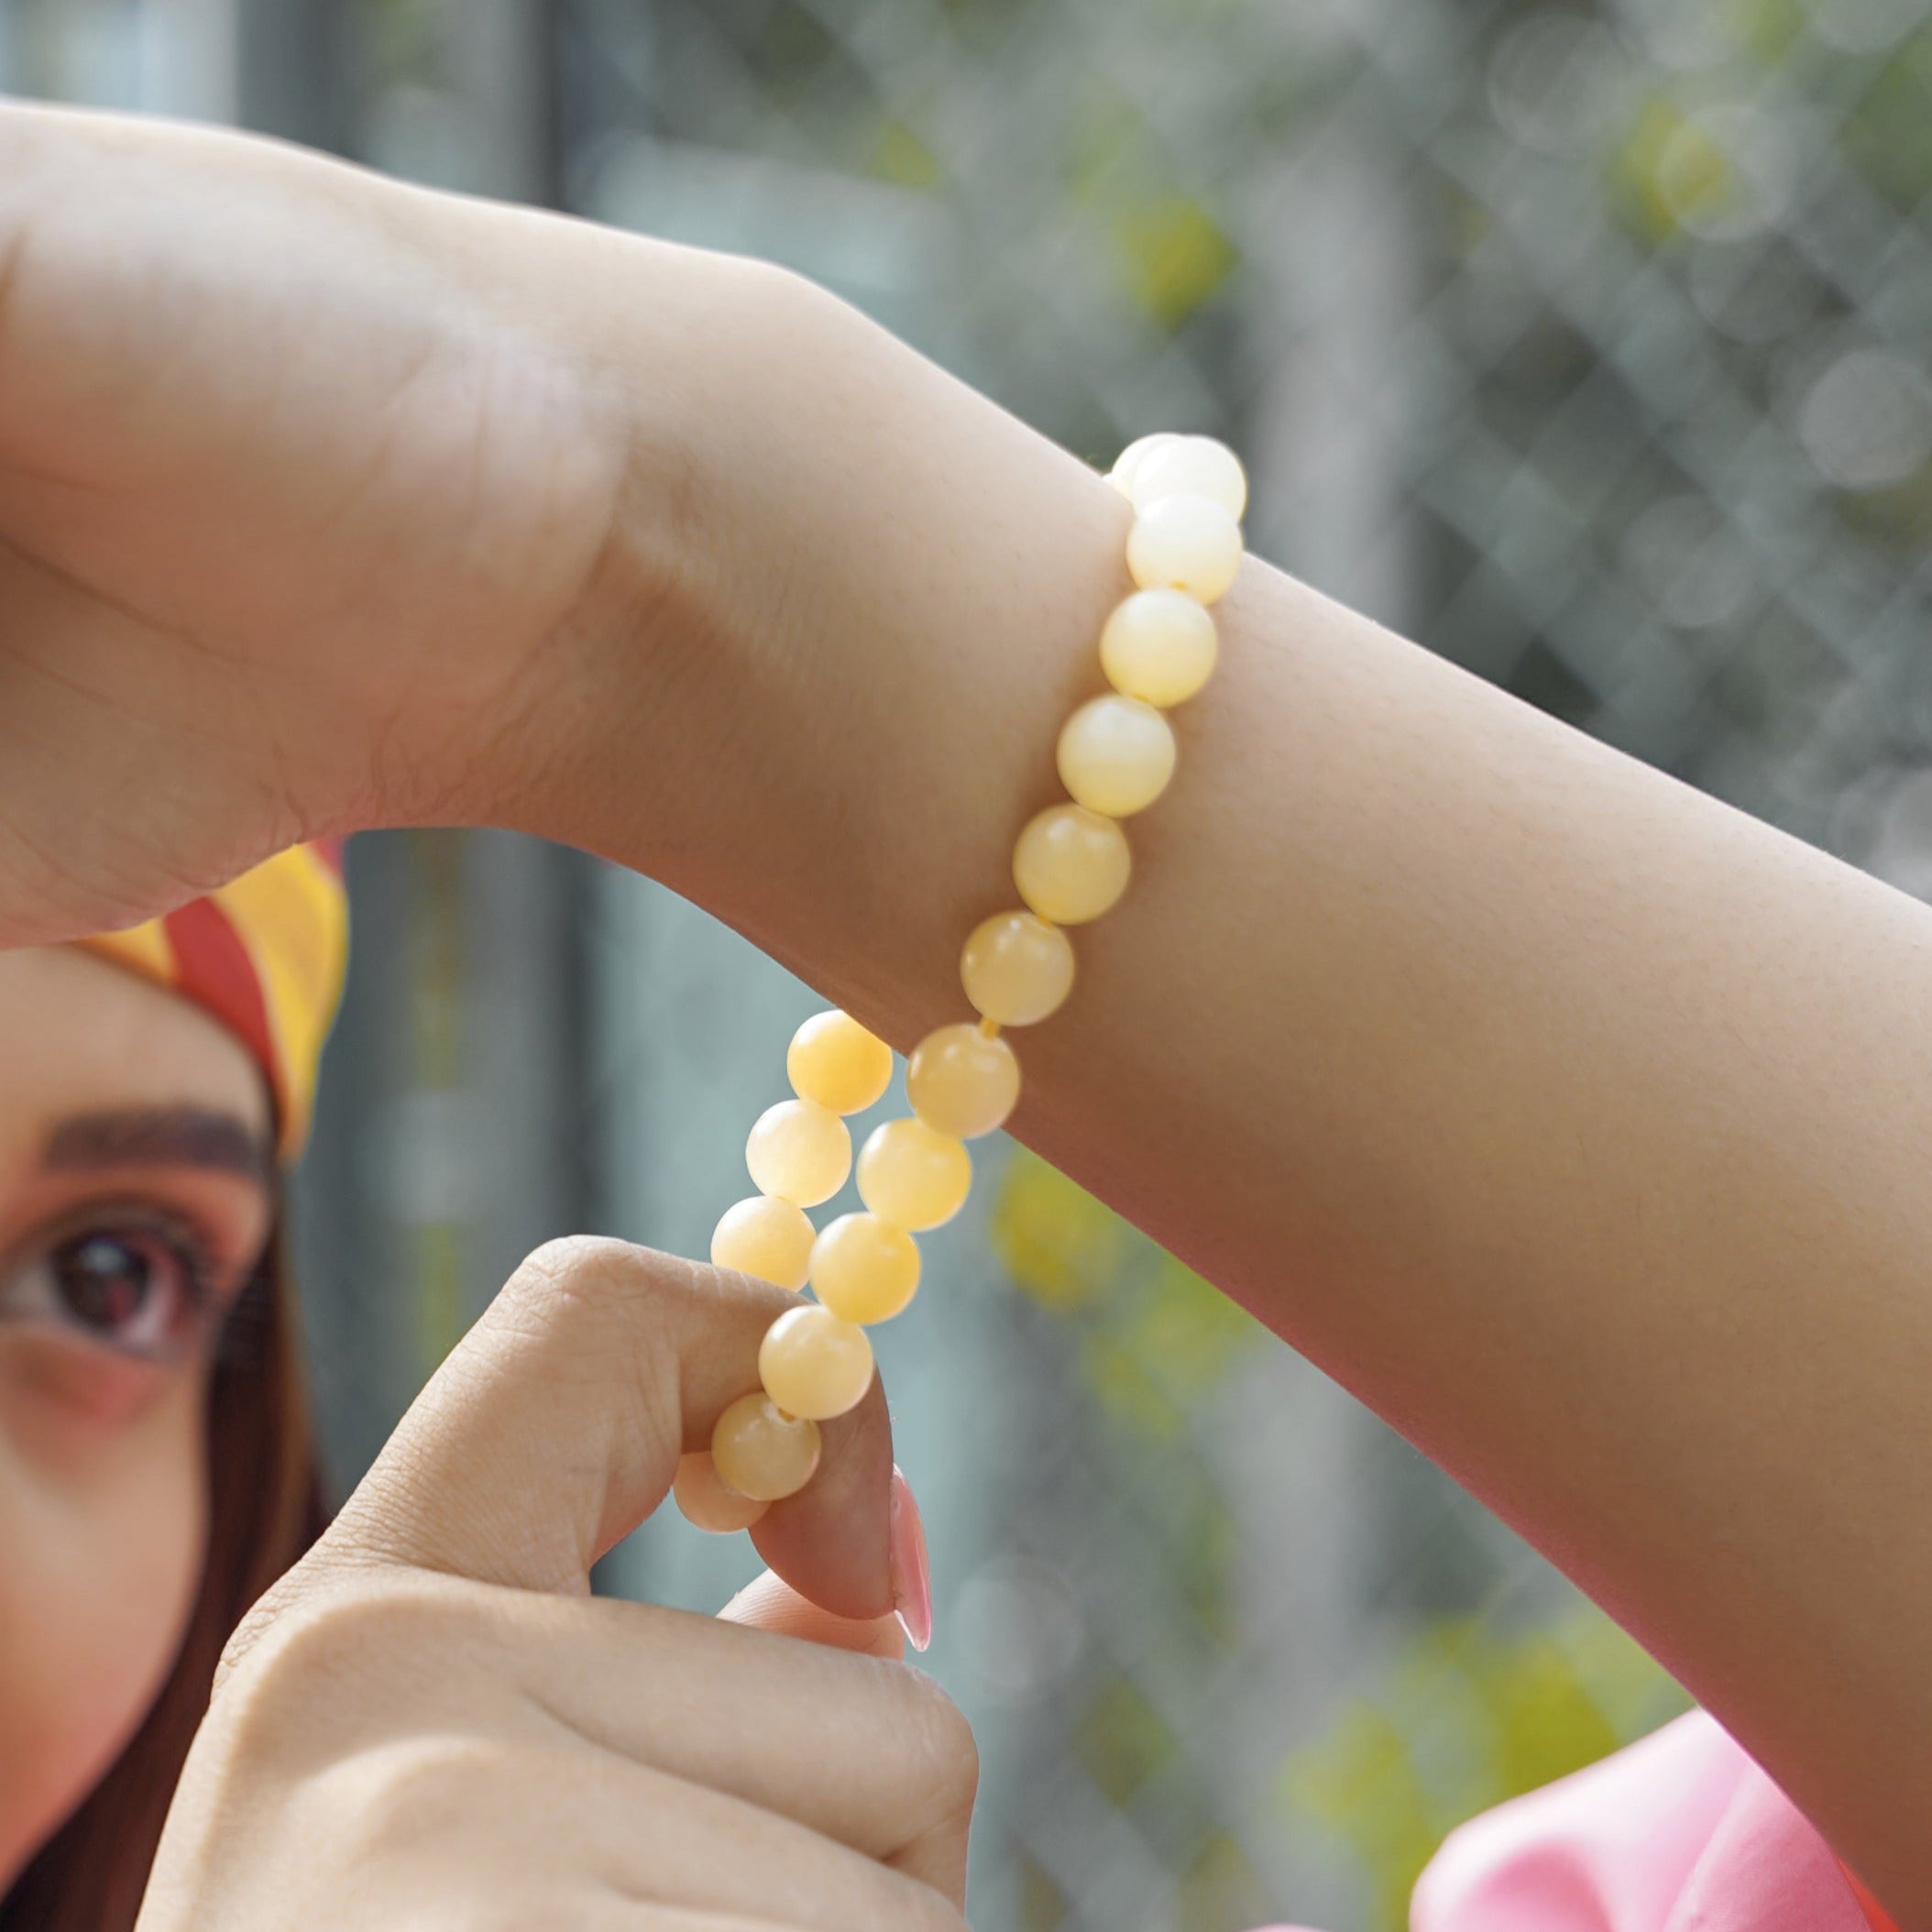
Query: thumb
(772, 1604)
(554, 1428)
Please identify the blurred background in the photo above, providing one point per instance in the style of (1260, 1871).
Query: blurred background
(1586, 342)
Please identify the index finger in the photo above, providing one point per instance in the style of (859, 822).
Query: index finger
(554, 1428)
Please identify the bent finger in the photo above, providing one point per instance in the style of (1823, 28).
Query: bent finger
(554, 1428)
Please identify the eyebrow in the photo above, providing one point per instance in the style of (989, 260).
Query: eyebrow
(200, 1137)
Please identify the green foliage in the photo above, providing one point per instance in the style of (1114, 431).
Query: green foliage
(1768, 28)
(1888, 134)
(1175, 255)
(900, 156)
(1122, 1740)
(1057, 1244)
(1043, 1905)
(1155, 1338)
(1671, 172)
(1361, 1783)
(1221, 1888)
(1466, 1718)
(1464, 1714)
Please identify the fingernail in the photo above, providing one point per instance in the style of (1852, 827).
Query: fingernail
(911, 1575)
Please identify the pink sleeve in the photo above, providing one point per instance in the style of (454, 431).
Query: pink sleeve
(1680, 1833)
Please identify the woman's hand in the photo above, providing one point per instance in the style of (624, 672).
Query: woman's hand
(304, 474)
(431, 1722)
(326, 501)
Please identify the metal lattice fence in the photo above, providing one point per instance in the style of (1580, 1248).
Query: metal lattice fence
(1586, 342)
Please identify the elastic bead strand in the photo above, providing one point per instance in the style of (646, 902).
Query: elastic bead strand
(767, 1238)
(1127, 465)
(814, 1364)
(864, 1268)
(800, 1151)
(1071, 862)
(709, 1503)
(1185, 543)
(835, 1062)
(762, 1453)
(1116, 755)
(1191, 466)
(1160, 646)
(1017, 969)
(962, 1083)
(911, 1175)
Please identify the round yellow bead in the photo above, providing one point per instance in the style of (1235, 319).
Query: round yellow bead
(799, 1151)
(866, 1269)
(911, 1175)
(1017, 969)
(1158, 647)
(814, 1365)
(707, 1501)
(761, 1452)
(1116, 755)
(766, 1237)
(835, 1062)
(1192, 466)
(1071, 864)
(1127, 465)
(1186, 544)
(961, 1082)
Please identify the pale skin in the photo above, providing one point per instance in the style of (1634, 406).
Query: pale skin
(430, 1721)
(115, 1270)
(1578, 1124)
(461, 1729)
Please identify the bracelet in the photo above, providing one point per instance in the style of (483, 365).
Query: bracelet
(1115, 755)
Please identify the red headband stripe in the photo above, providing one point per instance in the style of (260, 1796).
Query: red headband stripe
(211, 958)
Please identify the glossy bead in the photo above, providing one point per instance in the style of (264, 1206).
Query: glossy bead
(961, 1082)
(865, 1268)
(1185, 542)
(799, 1151)
(766, 1237)
(1158, 647)
(1192, 466)
(1017, 969)
(762, 1452)
(709, 1502)
(1127, 465)
(1116, 755)
(1070, 864)
(913, 1177)
(815, 1365)
(835, 1062)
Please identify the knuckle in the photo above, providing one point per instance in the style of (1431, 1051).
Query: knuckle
(916, 1907)
(290, 1680)
(571, 1263)
(594, 1275)
(945, 1754)
(396, 1797)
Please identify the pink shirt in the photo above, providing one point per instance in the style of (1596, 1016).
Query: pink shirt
(1680, 1833)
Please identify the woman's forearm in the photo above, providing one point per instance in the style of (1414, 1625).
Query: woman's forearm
(1579, 1124)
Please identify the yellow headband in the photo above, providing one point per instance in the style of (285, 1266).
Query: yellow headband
(266, 956)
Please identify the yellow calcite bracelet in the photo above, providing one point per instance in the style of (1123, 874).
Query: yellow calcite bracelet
(1116, 754)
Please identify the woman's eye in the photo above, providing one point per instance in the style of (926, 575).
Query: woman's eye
(133, 1289)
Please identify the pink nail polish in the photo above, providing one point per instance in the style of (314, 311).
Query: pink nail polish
(911, 1575)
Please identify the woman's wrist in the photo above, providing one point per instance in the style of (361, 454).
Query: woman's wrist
(815, 683)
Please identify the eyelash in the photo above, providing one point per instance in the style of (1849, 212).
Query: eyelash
(187, 1247)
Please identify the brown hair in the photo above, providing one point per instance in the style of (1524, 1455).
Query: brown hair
(264, 1510)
